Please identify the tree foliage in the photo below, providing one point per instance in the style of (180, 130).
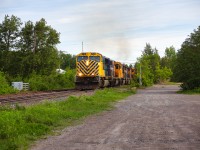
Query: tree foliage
(67, 61)
(170, 57)
(28, 49)
(151, 69)
(9, 33)
(187, 69)
(163, 74)
(169, 60)
(28, 52)
(148, 63)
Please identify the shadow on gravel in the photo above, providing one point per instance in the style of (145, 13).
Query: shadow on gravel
(160, 90)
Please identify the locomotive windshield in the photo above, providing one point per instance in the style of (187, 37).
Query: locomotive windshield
(82, 58)
(95, 58)
(117, 66)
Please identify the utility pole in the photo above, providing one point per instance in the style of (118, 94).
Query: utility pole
(82, 46)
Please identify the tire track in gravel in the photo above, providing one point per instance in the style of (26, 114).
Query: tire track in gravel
(155, 118)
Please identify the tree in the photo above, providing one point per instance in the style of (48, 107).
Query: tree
(28, 49)
(38, 42)
(152, 60)
(147, 50)
(67, 61)
(27, 37)
(152, 70)
(163, 74)
(44, 36)
(149, 61)
(187, 68)
(169, 59)
(9, 32)
(147, 75)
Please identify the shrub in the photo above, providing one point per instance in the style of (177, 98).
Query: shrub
(54, 81)
(38, 83)
(134, 82)
(191, 84)
(5, 88)
(163, 74)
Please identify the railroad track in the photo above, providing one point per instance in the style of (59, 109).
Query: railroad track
(33, 97)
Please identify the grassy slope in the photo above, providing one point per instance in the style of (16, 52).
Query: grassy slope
(20, 126)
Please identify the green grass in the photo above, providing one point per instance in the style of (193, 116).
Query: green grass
(194, 91)
(20, 126)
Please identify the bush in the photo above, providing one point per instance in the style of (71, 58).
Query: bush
(37, 83)
(54, 81)
(147, 80)
(5, 88)
(163, 74)
(134, 83)
(191, 84)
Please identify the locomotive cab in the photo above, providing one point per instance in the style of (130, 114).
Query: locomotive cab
(89, 68)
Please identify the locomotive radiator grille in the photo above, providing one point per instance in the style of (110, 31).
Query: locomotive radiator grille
(90, 68)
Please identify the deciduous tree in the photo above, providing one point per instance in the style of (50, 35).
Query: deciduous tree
(187, 69)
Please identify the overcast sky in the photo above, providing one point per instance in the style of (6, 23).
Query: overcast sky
(118, 29)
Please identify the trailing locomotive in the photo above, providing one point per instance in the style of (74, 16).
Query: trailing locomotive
(94, 70)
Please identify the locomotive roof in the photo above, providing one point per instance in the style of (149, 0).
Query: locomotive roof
(89, 53)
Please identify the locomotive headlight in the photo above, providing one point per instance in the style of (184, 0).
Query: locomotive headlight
(92, 74)
(87, 62)
(80, 74)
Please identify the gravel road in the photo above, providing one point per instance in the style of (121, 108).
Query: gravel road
(155, 118)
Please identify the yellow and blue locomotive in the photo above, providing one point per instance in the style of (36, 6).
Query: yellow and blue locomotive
(94, 70)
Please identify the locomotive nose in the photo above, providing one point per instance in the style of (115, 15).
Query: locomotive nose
(87, 62)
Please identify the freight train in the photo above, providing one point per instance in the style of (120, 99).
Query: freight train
(93, 70)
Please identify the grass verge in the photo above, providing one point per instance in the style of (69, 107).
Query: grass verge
(194, 91)
(170, 83)
(20, 126)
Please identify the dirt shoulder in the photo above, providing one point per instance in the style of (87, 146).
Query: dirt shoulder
(153, 119)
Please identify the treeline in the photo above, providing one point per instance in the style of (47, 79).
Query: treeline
(28, 51)
(181, 66)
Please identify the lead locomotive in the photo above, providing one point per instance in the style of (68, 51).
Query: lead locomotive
(93, 70)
